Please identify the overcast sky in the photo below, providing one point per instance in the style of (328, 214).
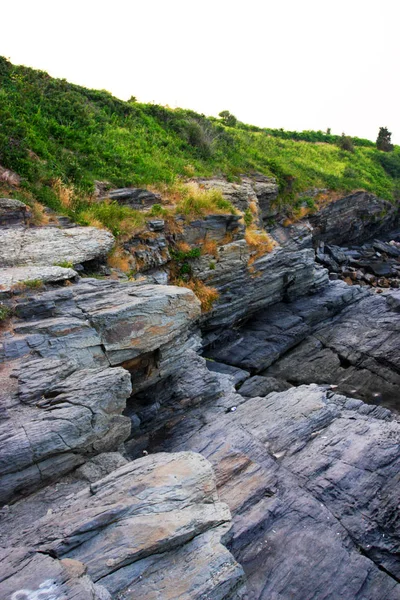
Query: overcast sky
(296, 64)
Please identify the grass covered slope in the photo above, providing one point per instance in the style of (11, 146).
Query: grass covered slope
(51, 130)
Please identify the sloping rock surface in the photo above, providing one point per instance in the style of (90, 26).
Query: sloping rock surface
(152, 529)
(311, 478)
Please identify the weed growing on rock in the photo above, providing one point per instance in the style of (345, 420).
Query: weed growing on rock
(260, 243)
(5, 312)
(207, 295)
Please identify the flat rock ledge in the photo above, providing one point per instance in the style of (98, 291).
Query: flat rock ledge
(14, 276)
(153, 529)
(47, 246)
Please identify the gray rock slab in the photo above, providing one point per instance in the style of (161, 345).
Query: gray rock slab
(48, 245)
(12, 276)
(154, 526)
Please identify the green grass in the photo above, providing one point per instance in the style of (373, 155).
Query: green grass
(53, 130)
(5, 312)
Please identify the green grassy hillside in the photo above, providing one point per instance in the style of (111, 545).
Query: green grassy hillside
(51, 130)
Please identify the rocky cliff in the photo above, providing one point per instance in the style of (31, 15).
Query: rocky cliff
(151, 450)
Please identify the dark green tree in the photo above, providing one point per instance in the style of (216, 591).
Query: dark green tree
(346, 143)
(227, 118)
(384, 140)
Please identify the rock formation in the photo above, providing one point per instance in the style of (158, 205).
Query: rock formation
(133, 467)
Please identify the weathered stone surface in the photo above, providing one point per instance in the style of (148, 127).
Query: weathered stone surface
(76, 416)
(262, 386)
(358, 351)
(353, 219)
(311, 479)
(136, 198)
(237, 376)
(393, 300)
(13, 212)
(148, 249)
(16, 275)
(275, 330)
(218, 228)
(49, 246)
(63, 402)
(100, 466)
(31, 576)
(279, 275)
(136, 532)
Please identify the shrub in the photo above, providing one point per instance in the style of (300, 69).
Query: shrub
(391, 163)
(346, 143)
(384, 140)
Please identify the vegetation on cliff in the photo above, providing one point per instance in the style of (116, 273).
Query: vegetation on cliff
(53, 131)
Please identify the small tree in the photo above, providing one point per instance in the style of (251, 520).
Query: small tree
(227, 118)
(384, 140)
(346, 143)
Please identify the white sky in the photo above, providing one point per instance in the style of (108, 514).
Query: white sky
(296, 64)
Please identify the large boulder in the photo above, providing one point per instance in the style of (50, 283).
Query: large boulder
(48, 246)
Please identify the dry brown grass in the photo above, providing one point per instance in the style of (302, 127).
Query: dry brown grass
(39, 216)
(183, 247)
(120, 259)
(206, 295)
(228, 238)
(65, 193)
(209, 247)
(260, 243)
(253, 208)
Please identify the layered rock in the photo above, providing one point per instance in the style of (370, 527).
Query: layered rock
(13, 212)
(48, 246)
(13, 277)
(310, 477)
(64, 401)
(136, 198)
(353, 219)
(154, 526)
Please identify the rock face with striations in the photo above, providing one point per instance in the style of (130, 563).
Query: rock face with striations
(62, 399)
(353, 219)
(13, 212)
(310, 477)
(152, 527)
(100, 372)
